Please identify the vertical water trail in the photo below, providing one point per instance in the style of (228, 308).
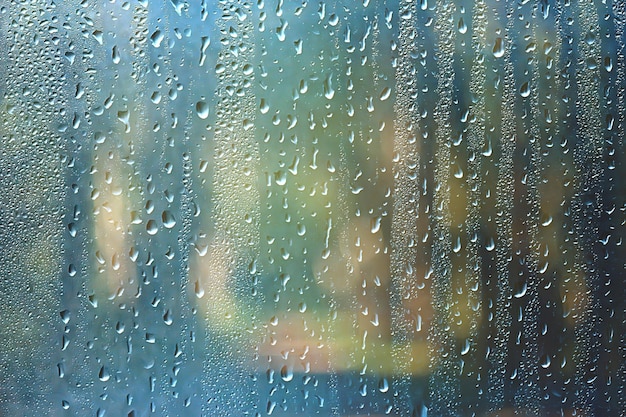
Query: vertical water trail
(175, 177)
(32, 229)
(404, 232)
(443, 384)
(610, 264)
(552, 194)
(235, 216)
(619, 19)
(107, 193)
(474, 119)
(342, 217)
(527, 374)
(505, 147)
(80, 148)
(170, 143)
(374, 138)
(588, 159)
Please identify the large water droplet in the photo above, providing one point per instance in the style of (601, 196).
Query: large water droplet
(286, 373)
(525, 90)
(329, 91)
(104, 374)
(202, 109)
(462, 26)
(383, 385)
(498, 48)
(151, 227)
(168, 218)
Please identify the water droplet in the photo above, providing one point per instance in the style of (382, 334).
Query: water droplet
(280, 177)
(457, 245)
(375, 224)
(524, 90)
(264, 106)
(384, 95)
(115, 55)
(198, 290)
(168, 218)
(65, 316)
(522, 291)
(202, 109)
(152, 228)
(590, 38)
(104, 374)
(466, 347)
(156, 38)
(462, 26)
(206, 41)
(610, 121)
(280, 30)
(383, 385)
(498, 48)
(329, 91)
(286, 373)
(167, 318)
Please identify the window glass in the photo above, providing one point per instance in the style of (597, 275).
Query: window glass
(298, 208)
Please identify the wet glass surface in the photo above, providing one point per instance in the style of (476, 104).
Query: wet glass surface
(296, 208)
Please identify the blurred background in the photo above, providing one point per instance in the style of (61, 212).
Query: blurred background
(296, 208)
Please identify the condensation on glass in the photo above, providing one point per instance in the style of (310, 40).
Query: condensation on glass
(298, 208)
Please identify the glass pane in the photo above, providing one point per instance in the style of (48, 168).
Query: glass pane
(295, 208)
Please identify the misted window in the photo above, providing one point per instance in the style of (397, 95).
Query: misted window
(312, 208)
